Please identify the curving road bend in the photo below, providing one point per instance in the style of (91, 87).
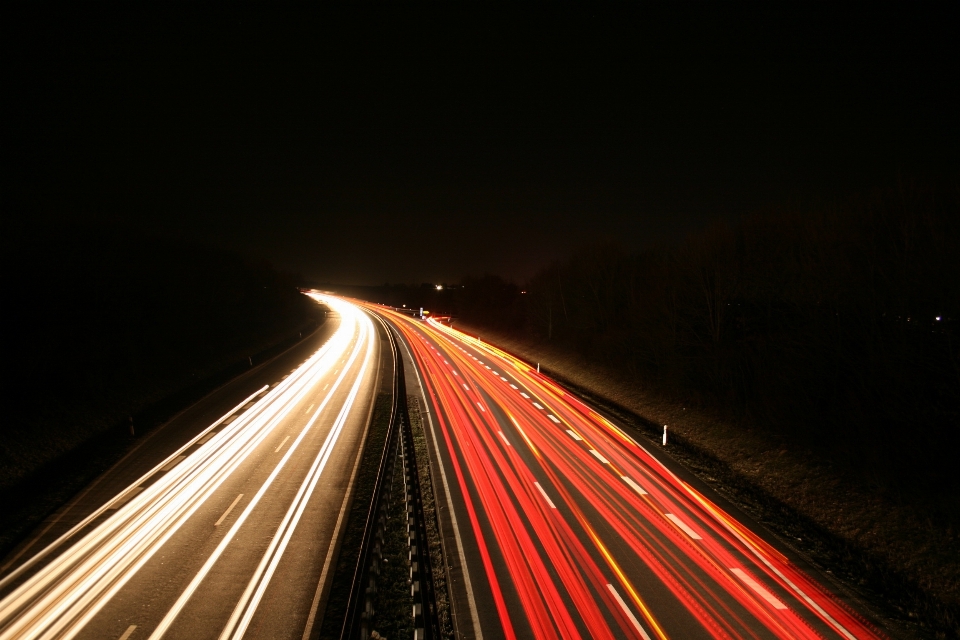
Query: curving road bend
(570, 528)
(230, 536)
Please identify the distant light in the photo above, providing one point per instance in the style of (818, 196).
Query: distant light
(439, 287)
(938, 318)
(523, 292)
(404, 305)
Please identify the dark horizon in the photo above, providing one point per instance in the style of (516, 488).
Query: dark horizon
(363, 147)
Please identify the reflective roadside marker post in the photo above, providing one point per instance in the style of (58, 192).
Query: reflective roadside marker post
(664, 435)
(538, 367)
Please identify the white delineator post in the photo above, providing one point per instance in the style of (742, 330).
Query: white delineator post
(538, 367)
(664, 435)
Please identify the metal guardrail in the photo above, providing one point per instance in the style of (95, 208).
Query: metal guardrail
(361, 611)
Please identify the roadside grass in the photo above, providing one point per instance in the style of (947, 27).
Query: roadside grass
(48, 464)
(898, 555)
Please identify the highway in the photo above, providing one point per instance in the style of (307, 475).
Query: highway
(567, 527)
(230, 535)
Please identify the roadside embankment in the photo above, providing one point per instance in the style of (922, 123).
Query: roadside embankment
(106, 336)
(894, 554)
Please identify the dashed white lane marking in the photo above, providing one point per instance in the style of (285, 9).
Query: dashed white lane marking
(553, 417)
(756, 586)
(513, 386)
(545, 496)
(574, 435)
(445, 361)
(626, 610)
(128, 632)
(486, 366)
(281, 444)
(502, 378)
(325, 387)
(466, 387)
(496, 373)
(504, 438)
(308, 410)
(206, 438)
(524, 395)
(537, 405)
(481, 407)
(633, 485)
(229, 509)
(173, 463)
(455, 373)
(126, 498)
(596, 454)
(683, 525)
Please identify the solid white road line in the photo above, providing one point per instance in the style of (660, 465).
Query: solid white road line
(756, 586)
(545, 496)
(229, 509)
(626, 610)
(683, 525)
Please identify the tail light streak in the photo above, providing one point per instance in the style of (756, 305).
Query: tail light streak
(579, 458)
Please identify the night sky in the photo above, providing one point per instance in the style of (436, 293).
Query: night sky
(368, 146)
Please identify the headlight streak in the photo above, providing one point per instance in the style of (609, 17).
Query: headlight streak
(188, 593)
(60, 598)
(31, 562)
(605, 468)
(261, 578)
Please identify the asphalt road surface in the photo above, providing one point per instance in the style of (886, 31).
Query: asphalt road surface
(558, 524)
(230, 534)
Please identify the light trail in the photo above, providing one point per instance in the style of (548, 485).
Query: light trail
(568, 512)
(67, 584)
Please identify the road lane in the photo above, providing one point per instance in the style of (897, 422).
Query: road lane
(227, 537)
(574, 529)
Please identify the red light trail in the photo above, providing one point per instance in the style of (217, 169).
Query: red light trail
(581, 531)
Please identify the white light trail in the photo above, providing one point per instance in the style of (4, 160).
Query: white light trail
(66, 593)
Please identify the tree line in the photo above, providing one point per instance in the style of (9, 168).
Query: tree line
(834, 327)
